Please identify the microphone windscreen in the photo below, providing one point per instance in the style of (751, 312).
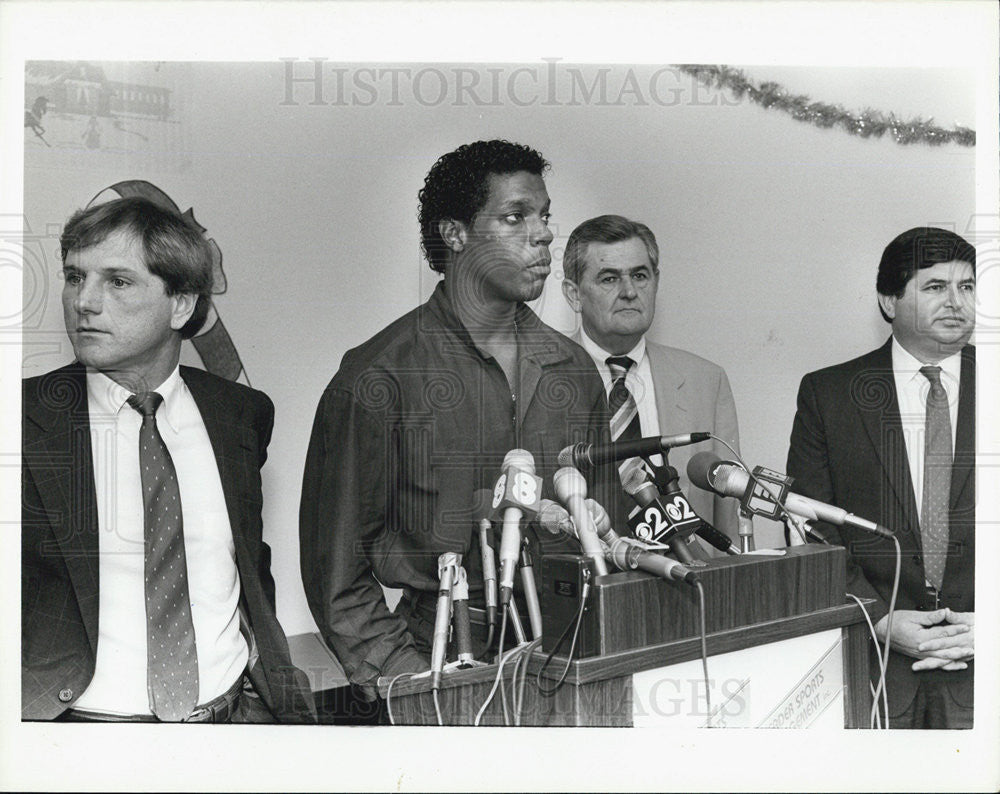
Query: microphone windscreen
(553, 517)
(700, 466)
(568, 482)
(521, 459)
(566, 455)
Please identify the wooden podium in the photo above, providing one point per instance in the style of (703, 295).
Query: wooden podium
(778, 630)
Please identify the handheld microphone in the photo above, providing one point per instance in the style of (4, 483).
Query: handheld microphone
(553, 518)
(448, 564)
(720, 540)
(668, 521)
(582, 456)
(628, 555)
(517, 492)
(463, 626)
(624, 554)
(530, 591)
(571, 488)
(483, 499)
(602, 521)
(709, 472)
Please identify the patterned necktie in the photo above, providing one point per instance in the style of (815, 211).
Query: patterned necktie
(937, 479)
(171, 656)
(624, 411)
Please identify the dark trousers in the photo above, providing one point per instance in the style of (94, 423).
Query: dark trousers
(934, 706)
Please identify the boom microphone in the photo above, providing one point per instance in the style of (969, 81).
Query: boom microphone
(709, 472)
(584, 456)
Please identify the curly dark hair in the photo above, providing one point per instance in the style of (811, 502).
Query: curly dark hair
(457, 187)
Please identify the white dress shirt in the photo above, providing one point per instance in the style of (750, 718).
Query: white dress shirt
(638, 380)
(119, 683)
(912, 390)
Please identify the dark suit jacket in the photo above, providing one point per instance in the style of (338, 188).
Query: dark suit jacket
(847, 449)
(59, 539)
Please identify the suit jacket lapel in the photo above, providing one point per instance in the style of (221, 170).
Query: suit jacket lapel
(57, 450)
(668, 386)
(228, 437)
(874, 392)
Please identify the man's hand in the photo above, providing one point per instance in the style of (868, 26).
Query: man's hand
(955, 649)
(941, 639)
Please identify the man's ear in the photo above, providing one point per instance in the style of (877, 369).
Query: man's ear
(572, 294)
(453, 233)
(888, 304)
(183, 308)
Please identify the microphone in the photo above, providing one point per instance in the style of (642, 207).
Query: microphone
(553, 518)
(624, 553)
(602, 522)
(582, 456)
(463, 627)
(530, 591)
(448, 564)
(483, 499)
(668, 521)
(709, 472)
(517, 492)
(571, 488)
(720, 540)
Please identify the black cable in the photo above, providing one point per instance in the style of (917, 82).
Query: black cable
(575, 624)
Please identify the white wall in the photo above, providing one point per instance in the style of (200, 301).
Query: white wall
(770, 230)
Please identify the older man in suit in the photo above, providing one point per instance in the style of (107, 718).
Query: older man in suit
(890, 436)
(146, 586)
(610, 277)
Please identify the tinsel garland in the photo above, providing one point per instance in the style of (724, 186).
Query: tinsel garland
(867, 124)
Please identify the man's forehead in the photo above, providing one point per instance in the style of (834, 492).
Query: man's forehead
(517, 187)
(623, 255)
(118, 251)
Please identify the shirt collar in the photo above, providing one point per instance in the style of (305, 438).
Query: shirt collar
(600, 355)
(108, 398)
(534, 338)
(905, 362)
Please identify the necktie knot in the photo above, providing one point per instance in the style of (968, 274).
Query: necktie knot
(146, 403)
(933, 374)
(619, 366)
(937, 393)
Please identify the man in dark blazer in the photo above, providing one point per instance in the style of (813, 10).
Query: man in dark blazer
(862, 440)
(137, 281)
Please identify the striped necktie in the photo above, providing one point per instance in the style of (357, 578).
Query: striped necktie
(171, 655)
(623, 409)
(937, 479)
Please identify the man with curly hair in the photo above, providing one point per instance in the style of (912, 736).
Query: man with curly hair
(420, 416)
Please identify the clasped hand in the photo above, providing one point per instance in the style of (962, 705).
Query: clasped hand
(941, 639)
